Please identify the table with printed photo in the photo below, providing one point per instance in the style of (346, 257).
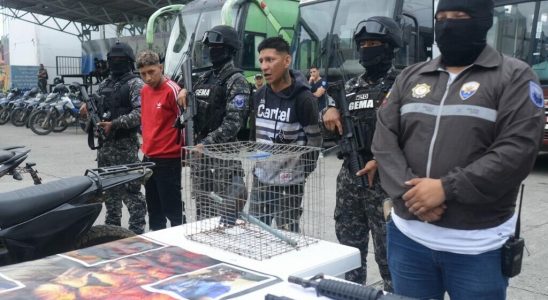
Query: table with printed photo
(325, 257)
(165, 265)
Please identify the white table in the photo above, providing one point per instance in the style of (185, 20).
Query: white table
(323, 257)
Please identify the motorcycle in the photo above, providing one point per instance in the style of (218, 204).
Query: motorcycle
(20, 115)
(11, 158)
(7, 104)
(58, 216)
(49, 99)
(60, 111)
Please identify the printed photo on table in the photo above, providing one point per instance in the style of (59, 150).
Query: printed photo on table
(112, 251)
(215, 282)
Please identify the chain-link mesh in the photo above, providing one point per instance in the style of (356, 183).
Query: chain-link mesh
(257, 200)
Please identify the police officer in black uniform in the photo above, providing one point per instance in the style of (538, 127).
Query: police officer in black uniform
(360, 209)
(121, 117)
(222, 96)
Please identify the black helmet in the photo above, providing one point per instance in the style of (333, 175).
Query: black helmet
(379, 28)
(34, 91)
(222, 35)
(60, 88)
(121, 50)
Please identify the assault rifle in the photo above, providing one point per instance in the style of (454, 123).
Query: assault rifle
(186, 120)
(93, 114)
(353, 140)
(341, 290)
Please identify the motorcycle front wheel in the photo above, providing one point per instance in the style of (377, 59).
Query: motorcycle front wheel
(61, 126)
(32, 113)
(39, 124)
(18, 116)
(100, 234)
(5, 116)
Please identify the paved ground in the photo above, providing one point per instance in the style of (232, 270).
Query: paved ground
(66, 154)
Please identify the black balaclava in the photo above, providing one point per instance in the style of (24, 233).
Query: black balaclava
(120, 59)
(220, 55)
(119, 67)
(376, 60)
(462, 40)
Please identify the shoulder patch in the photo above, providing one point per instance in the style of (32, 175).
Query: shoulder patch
(385, 100)
(239, 101)
(468, 90)
(536, 94)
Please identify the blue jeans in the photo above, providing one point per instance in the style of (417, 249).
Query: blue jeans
(420, 272)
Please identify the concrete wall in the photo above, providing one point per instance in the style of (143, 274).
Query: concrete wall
(31, 45)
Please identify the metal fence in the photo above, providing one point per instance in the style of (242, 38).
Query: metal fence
(68, 65)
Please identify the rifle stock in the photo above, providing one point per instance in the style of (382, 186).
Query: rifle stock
(350, 140)
(342, 290)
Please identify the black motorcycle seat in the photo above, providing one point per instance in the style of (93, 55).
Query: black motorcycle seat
(5, 155)
(24, 204)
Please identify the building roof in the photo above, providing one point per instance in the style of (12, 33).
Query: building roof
(92, 12)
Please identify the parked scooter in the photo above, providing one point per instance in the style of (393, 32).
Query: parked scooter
(58, 216)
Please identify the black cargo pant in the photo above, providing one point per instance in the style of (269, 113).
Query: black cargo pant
(163, 193)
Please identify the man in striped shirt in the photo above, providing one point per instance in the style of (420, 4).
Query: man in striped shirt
(286, 112)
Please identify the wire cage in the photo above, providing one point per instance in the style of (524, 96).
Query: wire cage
(254, 199)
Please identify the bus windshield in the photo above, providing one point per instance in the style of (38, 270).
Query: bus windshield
(186, 23)
(324, 34)
(520, 30)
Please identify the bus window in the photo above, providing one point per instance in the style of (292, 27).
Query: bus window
(308, 51)
(511, 31)
(417, 23)
(313, 29)
(325, 35)
(257, 28)
(208, 20)
(407, 54)
(540, 49)
(250, 57)
(344, 57)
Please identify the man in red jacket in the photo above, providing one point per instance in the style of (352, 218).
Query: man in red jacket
(161, 143)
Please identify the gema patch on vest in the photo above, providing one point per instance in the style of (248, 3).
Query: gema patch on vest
(362, 101)
(202, 92)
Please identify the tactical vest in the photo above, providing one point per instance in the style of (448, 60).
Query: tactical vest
(211, 97)
(363, 106)
(117, 102)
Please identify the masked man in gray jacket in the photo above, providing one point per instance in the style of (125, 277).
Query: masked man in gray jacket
(453, 141)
